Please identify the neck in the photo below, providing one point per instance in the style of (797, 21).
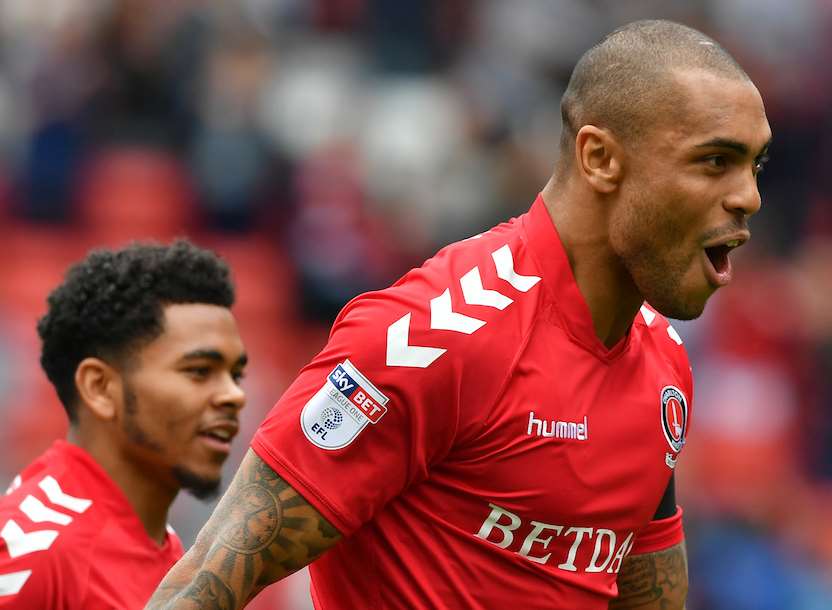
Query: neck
(149, 497)
(604, 282)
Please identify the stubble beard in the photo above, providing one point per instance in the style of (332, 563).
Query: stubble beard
(656, 270)
(659, 281)
(200, 487)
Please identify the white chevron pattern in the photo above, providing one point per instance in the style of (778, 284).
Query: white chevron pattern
(57, 496)
(442, 316)
(648, 315)
(12, 583)
(38, 512)
(401, 353)
(504, 262)
(16, 482)
(475, 294)
(671, 332)
(20, 543)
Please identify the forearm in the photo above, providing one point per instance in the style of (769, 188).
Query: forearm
(261, 531)
(190, 584)
(653, 581)
(213, 574)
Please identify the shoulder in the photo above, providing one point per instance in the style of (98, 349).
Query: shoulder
(428, 353)
(476, 294)
(44, 538)
(48, 499)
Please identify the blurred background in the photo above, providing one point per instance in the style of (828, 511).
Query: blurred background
(326, 146)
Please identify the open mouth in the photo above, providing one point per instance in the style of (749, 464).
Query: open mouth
(720, 271)
(718, 255)
(219, 437)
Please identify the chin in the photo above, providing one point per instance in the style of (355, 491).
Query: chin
(683, 314)
(679, 309)
(680, 296)
(689, 310)
(202, 486)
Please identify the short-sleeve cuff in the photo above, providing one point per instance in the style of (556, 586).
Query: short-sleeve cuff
(660, 535)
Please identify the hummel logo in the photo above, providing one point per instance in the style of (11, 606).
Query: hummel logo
(558, 429)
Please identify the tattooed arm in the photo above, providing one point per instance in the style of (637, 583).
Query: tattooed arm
(653, 581)
(261, 531)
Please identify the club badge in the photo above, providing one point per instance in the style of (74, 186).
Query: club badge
(674, 408)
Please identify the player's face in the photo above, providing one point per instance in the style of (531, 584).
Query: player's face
(182, 397)
(690, 189)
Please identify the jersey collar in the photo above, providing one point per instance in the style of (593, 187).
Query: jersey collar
(560, 284)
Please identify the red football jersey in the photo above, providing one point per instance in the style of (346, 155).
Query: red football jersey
(475, 442)
(71, 541)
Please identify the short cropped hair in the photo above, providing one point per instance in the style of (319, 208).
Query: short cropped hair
(622, 82)
(111, 303)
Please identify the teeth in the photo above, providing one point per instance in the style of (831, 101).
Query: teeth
(733, 243)
(222, 434)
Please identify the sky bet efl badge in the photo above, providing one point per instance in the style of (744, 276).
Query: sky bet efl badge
(342, 408)
(674, 421)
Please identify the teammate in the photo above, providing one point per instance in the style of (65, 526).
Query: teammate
(502, 425)
(145, 356)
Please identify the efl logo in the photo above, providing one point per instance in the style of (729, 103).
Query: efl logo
(342, 408)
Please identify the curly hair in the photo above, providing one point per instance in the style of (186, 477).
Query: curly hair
(111, 303)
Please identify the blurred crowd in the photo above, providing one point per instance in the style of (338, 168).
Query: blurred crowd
(326, 146)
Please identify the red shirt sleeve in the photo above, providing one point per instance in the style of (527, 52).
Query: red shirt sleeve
(352, 431)
(660, 535)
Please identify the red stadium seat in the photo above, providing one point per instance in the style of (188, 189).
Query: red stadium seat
(32, 262)
(128, 194)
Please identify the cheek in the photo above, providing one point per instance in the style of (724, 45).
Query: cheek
(170, 406)
(652, 235)
(641, 226)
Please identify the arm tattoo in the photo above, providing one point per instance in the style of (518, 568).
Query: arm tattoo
(653, 581)
(210, 593)
(261, 531)
(253, 522)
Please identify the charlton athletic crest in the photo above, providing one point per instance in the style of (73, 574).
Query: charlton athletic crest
(674, 417)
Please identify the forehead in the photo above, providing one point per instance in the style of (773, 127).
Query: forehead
(193, 327)
(705, 105)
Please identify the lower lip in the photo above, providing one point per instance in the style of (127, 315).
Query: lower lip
(216, 444)
(717, 278)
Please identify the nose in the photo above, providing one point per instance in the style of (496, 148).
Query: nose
(231, 395)
(746, 199)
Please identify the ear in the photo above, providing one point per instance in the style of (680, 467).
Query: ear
(99, 388)
(599, 158)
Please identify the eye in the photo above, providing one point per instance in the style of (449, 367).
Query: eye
(716, 161)
(238, 376)
(198, 372)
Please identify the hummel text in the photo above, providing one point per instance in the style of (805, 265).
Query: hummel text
(558, 429)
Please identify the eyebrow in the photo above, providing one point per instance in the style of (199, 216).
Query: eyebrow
(735, 145)
(212, 354)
